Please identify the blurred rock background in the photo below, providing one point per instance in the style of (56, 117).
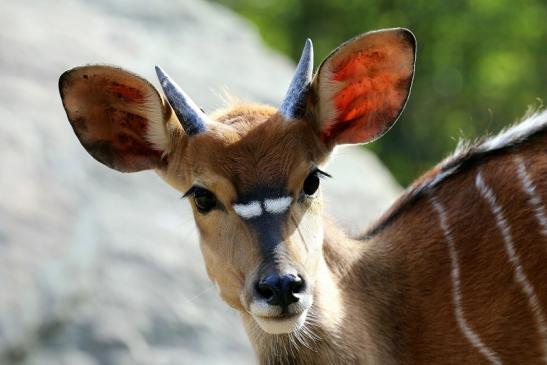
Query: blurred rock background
(98, 267)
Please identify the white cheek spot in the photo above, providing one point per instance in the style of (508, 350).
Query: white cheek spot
(249, 210)
(278, 205)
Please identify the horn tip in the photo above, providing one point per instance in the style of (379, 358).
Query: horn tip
(307, 53)
(308, 46)
(162, 76)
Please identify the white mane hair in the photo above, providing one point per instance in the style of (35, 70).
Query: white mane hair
(535, 121)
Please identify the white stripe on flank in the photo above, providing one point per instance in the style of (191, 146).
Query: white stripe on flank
(535, 199)
(278, 205)
(487, 193)
(249, 210)
(468, 332)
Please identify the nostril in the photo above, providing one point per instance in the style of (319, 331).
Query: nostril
(297, 285)
(280, 290)
(264, 290)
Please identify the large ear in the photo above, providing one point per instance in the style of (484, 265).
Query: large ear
(362, 86)
(119, 117)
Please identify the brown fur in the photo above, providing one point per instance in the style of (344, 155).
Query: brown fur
(493, 302)
(233, 158)
(384, 299)
(393, 302)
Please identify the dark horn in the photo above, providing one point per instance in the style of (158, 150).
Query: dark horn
(191, 117)
(294, 104)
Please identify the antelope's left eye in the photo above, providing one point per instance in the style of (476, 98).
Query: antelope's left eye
(311, 184)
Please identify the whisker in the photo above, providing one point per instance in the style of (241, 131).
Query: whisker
(299, 231)
(198, 295)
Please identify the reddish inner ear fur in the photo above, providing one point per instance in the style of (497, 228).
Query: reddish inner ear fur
(363, 87)
(129, 94)
(360, 63)
(364, 96)
(111, 111)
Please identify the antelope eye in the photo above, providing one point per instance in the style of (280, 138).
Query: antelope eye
(311, 184)
(205, 200)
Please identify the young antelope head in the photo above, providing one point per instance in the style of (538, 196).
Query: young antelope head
(250, 172)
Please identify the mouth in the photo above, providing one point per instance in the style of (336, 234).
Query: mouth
(280, 324)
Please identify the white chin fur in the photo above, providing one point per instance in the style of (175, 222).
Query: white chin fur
(280, 326)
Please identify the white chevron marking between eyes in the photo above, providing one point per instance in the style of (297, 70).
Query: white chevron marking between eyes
(468, 332)
(278, 205)
(535, 199)
(518, 271)
(248, 210)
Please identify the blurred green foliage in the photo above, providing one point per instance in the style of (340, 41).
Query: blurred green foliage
(480, 65)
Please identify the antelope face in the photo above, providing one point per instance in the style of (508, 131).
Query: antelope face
(253, 184)
(250, 172)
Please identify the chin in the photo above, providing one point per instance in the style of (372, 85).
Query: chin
(277, 325)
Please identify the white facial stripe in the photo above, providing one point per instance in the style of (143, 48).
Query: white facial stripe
(254, 209)
(249, 210)
(278, 205)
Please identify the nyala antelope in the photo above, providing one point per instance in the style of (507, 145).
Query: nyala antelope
(455, 272)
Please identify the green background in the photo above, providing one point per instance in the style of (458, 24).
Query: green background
(481, 63)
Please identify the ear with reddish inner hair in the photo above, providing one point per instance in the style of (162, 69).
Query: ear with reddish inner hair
(361, 87)
(119, 117)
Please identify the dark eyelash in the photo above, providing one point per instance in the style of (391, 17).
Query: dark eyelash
(191, 191)
(321, 174)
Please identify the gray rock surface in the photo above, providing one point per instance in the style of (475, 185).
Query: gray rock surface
(98, 267)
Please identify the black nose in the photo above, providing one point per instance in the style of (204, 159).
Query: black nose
(280, 289)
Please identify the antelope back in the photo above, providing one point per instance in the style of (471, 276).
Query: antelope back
(471, 237)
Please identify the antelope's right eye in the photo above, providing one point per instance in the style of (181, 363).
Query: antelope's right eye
(205, 200)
